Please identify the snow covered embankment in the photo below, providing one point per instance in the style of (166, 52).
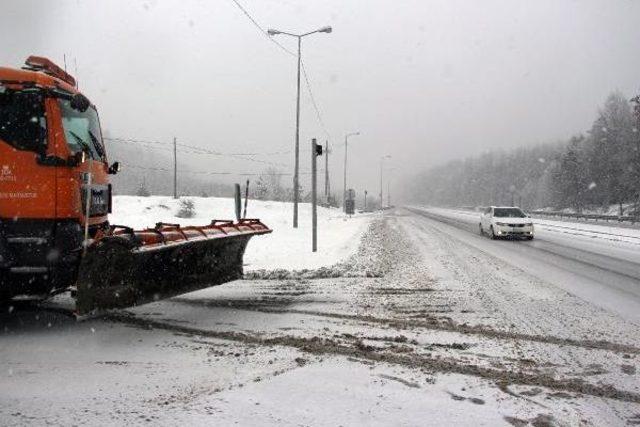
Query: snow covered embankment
(286, 248)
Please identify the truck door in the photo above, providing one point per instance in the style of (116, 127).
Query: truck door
(27, 187)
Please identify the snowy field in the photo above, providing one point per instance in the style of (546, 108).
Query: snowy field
(285, 248)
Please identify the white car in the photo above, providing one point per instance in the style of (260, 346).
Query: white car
(506, 221)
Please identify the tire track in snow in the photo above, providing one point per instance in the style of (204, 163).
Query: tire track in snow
(324, 346)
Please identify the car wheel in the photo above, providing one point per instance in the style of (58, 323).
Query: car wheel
(529, 237)
(492, 234)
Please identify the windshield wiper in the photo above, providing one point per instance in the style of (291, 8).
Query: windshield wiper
(85, 146)
(97, 145)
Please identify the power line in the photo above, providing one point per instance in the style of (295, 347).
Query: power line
(313, 100)
(262, 30)
(156, 169)
(240, 156)
(207, 151)
(199, 149)
(135, 141)
(235, 156)
(204, 151)
(304, 71)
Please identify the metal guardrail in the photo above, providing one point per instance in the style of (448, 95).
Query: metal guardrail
(595, 217)
(558, 214)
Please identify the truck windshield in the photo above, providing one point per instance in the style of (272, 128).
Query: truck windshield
(82, 130)
(22, 120)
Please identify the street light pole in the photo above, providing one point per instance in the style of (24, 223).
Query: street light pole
(296, 168)
(344, 180)
(389, 186)
(389, 192)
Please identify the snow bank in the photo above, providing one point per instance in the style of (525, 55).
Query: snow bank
(286, 247)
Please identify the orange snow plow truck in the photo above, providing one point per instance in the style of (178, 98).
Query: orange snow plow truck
(55, 198)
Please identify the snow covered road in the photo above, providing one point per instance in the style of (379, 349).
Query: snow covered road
(597, 263)
(426, 324)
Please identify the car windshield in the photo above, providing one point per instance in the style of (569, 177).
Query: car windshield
(508, 213)
(82, 130)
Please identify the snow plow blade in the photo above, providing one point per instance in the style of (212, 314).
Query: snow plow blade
(125, 268)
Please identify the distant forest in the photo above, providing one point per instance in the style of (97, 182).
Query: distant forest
(595, 170)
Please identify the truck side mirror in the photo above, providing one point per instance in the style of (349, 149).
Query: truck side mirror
(114, 168)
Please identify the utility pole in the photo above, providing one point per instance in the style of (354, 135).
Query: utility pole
(389, 192)
(365, 200)
(316, 150)
(381, 163)
(344, 180)
(381, 168)
(175, 168)
(327, 189)
(296, 169)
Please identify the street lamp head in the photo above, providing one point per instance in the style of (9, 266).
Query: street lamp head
(326, 29)
(273, 32)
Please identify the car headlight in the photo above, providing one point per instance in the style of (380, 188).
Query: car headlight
(502, 223)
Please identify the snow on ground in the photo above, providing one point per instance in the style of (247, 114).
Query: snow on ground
(285, 248)
(450, 333)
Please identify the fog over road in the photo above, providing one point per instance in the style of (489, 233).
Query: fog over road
(596, 263)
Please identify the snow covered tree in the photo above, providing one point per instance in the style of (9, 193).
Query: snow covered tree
(142, 190)
(187, 209)
(611, 148)
(570, 177)
(269, 186)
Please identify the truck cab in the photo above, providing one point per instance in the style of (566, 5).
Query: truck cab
(52, 158)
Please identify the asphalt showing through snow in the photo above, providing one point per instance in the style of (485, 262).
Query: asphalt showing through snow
(609, 281)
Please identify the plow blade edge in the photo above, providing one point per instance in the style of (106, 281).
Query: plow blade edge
(128, 268)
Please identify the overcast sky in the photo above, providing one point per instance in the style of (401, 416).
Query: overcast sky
(424, 81)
